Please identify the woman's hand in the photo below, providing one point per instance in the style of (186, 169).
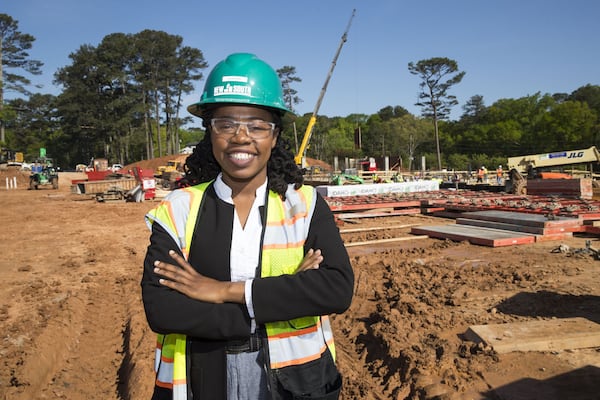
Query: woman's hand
(186, 280)
(311, 260)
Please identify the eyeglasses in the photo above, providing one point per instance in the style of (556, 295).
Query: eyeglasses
(227, 127)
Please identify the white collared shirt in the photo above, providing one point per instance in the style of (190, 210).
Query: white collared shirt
(245, 241)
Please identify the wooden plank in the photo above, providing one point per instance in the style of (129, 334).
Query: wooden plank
(354, 205)
(594, 230)
(516, 227)
(548, 335)
(587, 215)
(447, 214)
(376, 228)
(431, 210)
(389, 240)
(476, 235)
(522, 218)
(553, 236)
(373, 214)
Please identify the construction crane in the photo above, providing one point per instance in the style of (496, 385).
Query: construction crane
(313, 119)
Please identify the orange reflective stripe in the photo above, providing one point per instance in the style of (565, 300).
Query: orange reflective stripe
(288, 221)
(166, 359)
(296, 332)
(169, 208)
(165, 385)
(276, 246)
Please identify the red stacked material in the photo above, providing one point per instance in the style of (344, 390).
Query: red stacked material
(355, 203)
(578, 188)
(503, 228)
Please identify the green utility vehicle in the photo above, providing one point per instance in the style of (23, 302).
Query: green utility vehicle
(43, 173)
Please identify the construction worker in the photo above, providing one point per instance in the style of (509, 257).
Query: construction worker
(480, 174)
(499, 175)
(245, 264)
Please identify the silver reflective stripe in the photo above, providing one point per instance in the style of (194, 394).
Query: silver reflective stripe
(299, 349)
(178, 203)
(296, 223)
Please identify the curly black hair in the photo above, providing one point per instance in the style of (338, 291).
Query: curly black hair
(201, 165)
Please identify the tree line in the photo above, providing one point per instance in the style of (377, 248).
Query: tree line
(122, 100)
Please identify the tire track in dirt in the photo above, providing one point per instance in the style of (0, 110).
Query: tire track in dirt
(70, 343)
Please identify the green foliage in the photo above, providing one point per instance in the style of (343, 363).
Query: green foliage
(589, 94)
(122, 99)
(14, 55)
(35, 124)
(390, 112)
(434, 98)
(191, 136)
(287, 74)
(458, 162)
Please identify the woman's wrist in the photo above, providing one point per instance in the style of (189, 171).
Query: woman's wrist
(234, 293)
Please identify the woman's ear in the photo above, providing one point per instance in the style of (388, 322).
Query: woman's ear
(275, 137)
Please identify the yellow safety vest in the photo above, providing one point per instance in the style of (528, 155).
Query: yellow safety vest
(292, 342)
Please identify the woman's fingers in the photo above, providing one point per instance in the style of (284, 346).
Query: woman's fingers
(311, 260)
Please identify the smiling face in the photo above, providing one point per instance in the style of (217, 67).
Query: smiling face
(243, 160)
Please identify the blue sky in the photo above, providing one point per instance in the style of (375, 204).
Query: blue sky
(508, 49)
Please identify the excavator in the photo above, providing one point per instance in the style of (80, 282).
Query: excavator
(538, 166)
(301, 154)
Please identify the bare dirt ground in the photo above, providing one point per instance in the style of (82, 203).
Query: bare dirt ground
(73, 325)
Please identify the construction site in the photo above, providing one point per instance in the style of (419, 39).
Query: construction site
(459, 293)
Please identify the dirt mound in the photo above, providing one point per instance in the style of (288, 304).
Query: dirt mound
(8, 176)
(154, 163)
(313, 162)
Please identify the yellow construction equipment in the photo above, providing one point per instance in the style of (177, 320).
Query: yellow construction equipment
(545, 160)
(168, 175)
(299, 157)
(536, 166)
(10, 158)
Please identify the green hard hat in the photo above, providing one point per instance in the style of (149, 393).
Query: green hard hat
(241, 78)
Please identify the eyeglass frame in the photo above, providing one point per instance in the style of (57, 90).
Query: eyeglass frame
(239, 125)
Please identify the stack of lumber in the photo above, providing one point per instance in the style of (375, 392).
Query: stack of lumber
(503, 228)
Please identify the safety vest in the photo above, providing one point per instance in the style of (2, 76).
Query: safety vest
(293, 342)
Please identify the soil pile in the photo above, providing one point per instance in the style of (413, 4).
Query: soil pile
(154, 163)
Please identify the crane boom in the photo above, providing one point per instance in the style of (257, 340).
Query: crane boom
(313, 119)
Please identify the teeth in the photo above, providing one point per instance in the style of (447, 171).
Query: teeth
(241, 156)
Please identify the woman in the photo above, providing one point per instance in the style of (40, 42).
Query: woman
(245, 264)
